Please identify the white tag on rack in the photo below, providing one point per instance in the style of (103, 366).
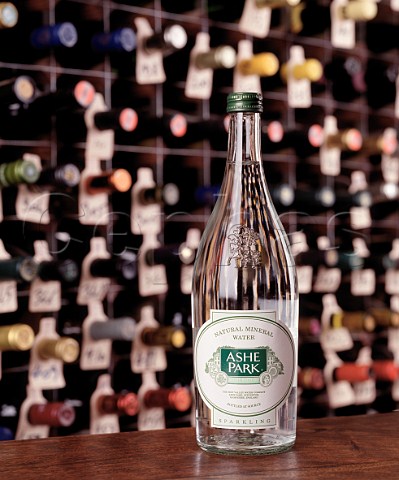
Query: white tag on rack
(199, 82)
(45, 374)
(186, 271)
(343, 31)
(390, 168)
(149, 66)
(394, 305)
(99, 143)
(333, 339)
(305, 278)
(298, 91)
(8, 288)
(93, 288)
(245, 83)
(149, 418)
(254, 20)
(102, 422)
(327, 280)
(340, 394)
(392, 281)
(395, 5)
(144, 219)
(95, 354)
(93, 209)
(360, 217)
(330, 157)
(365, 392)
(32, 205)
(299, 243)
(152, 278)
(44, 296)
(145, 358)
(363, 282)
(25, 430)
(396, 108)
(393, 342)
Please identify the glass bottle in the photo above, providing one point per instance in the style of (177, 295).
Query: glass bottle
(245, 306)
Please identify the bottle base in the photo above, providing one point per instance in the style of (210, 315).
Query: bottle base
(246, 444)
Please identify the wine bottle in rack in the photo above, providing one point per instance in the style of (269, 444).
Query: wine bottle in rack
(71, 126)
(8, 15)
(61, 177)
(304, 140)
(171, 38)
(21, 269)
(178, 398)
(172, 336)
(359, 321)
(52, 36)
(217, 309)
(123, 328)
(167, 194)
(223, 56)
(213, 130)
(119, 404)
(347, 77)
(381, 36)
(65, 271)
(18, 172)
(170, 254)
(311, 378)
(54, 414)
(21, 89)
(302, 18)
(312, 200)
(381, 83)
(116, 180)
(18, 337)
(171, 127)
(122, 266)
(65, 349)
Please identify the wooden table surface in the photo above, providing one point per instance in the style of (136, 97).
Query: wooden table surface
(364, 447)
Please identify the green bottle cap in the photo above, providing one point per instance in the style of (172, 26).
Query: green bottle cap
(20, 171)
(244, 102)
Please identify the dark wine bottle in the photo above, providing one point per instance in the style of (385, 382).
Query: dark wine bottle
(347, 77)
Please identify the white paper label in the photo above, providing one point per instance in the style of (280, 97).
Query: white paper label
(149, 66)
(363, 282)
(327, 280)
(244, 364)
(245, 83)
(343, 31)
(199, 81)
(392, 282)
(254, 20)
(149, 418)
(99, 143)
(99, 422)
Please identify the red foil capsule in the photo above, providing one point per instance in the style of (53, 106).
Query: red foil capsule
(53, 414)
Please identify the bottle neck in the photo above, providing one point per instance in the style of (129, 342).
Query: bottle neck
(244, 144)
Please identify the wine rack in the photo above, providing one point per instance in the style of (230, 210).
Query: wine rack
(348, 315)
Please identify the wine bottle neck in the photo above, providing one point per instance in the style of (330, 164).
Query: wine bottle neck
(244, 138)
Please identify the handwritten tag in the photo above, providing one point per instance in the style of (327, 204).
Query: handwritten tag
(90, 288)
(152, 278)
(298, 90)
(392, 282)
(145, 219)
(94, 209)
(343, 31)
(25, 430)
(199, 82)
(340, 394)
(245, 83)
(101, 423)
(327, 280)
(44, 296)
(146, 358)
(149, 66)
(99, 143)
(305, 278)
(254, 20)
(363, 282)
(149, 418)
(95, 354)
(365, 392)
(330, 157)
(390, 168)
(336, 339)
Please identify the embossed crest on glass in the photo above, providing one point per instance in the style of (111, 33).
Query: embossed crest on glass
(245, 306)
